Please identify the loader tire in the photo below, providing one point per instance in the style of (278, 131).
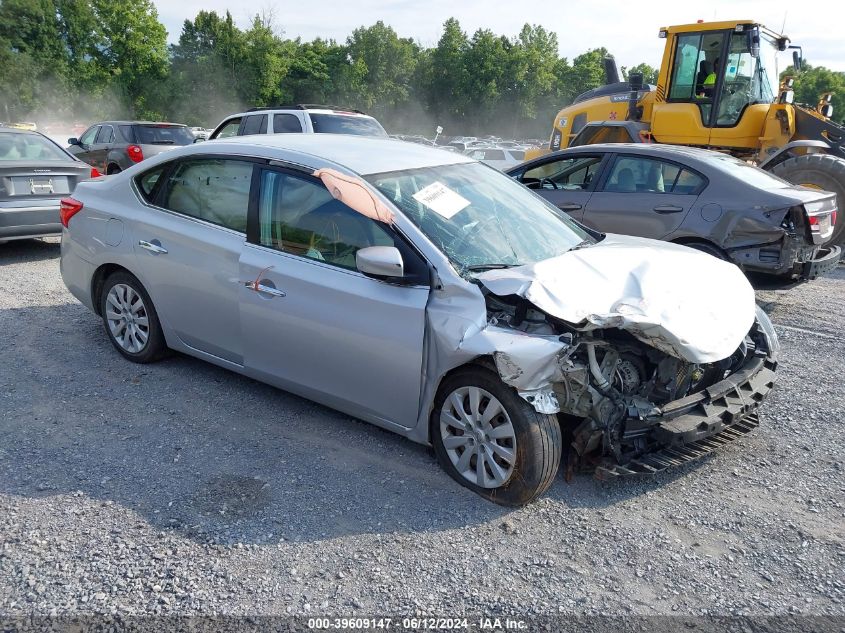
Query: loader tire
(820, 171)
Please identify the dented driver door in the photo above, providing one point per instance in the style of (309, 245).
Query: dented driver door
(312, 323)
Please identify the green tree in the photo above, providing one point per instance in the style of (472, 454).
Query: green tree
(134, 50)
(813, 81)
(649, 74)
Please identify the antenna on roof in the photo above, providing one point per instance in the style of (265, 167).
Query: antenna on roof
(783, 26)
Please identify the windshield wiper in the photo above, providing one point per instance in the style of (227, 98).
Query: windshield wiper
(481, 267)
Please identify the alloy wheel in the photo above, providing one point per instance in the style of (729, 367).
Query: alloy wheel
(478, 436)
(127, 318)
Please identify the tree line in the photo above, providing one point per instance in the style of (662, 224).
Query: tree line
(73, 60)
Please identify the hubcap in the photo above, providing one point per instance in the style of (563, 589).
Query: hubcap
(127, 318)
(478, 436)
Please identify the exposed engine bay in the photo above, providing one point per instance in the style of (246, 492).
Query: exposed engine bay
(616, 393)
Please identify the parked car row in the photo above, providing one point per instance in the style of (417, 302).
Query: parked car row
(297, 259)
(541, 332)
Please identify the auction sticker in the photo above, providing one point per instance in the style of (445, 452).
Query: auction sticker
(440, 199)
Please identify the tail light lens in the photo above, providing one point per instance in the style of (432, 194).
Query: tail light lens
(136, 155)
(95, 173)
(68, 208)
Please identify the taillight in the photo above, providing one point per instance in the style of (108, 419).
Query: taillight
(135, 153)
(833, 218)
(68, 208)
(95, 173)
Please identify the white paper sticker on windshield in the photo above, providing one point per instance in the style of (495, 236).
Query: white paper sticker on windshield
(442, 200)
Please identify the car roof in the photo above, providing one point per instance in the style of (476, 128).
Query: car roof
(17, 130)
(138, 123)
(361, 154)
(657, 149)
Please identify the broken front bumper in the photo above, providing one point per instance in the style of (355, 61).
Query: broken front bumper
(825, 260)
(691, 427)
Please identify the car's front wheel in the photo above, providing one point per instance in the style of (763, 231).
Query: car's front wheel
(130, 318)
(491, 440)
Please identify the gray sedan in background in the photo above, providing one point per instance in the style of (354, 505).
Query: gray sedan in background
(35, 174)
(703, 199)
(427, 294)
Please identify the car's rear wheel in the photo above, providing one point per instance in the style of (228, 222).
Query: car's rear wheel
(130, 319)
(113, 169)
(492, 441)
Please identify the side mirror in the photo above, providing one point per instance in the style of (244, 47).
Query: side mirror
(73, 141)
(380, 261)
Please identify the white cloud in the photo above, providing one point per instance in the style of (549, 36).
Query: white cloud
(627, 29)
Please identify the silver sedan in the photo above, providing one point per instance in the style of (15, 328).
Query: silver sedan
(427, 294)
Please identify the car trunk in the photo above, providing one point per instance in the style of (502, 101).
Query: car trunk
(34, 183)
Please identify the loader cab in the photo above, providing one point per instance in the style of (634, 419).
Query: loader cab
(722, 81)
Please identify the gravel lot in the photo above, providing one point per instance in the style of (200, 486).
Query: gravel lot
(181, 488)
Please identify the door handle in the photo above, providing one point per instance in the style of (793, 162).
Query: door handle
(152, 247)
(268, 290)
(668, 208)
(569, 206)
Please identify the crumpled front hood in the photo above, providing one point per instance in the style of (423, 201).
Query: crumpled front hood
(679, 300)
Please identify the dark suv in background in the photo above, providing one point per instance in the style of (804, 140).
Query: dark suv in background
(113, 146)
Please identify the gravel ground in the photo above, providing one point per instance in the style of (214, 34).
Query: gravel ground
(181, 488)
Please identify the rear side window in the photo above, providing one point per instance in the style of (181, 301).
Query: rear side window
(255, 124)
(286, 124)
(127, 133)
(633, 174)
(163, 135)
(105, 135)
(148, 180)
(212, 189)
(230, 128)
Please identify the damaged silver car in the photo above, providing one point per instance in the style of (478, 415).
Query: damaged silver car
(430, 295)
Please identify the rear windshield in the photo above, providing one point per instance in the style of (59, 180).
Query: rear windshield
(28, 147)
(346, 124)
(162, 135)
(754, 176)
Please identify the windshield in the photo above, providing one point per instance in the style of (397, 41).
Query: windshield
(478, 217)
(28, 147)
(346, 124)
(162, 135)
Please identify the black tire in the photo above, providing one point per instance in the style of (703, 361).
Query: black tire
(112, 170)
(819, 170)
(538, 440)
(155, 346)
(710, 249)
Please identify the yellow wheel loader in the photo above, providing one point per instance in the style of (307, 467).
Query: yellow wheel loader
(718, 88)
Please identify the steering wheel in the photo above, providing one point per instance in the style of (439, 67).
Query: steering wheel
(543, 182)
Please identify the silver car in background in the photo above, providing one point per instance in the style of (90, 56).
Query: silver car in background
(427, 294)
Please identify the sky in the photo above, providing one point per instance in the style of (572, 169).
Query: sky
(628, 29)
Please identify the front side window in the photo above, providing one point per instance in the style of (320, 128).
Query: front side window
(299, 216)
(479, 217)
(88, 137)
(286, 124)
(633, 174)
(230, 128)
(566, 173)
(211, 189)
